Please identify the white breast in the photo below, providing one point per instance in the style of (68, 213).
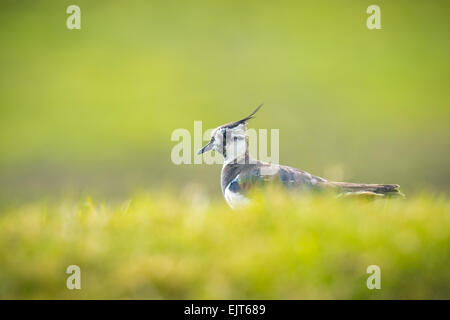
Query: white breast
(234, 199)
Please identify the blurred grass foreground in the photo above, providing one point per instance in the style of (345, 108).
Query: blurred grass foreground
(156, 246)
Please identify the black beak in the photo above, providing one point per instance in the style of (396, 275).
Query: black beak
(205, 148)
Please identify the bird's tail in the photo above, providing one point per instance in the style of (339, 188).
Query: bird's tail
(369, 190)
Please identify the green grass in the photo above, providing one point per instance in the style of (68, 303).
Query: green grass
(91, 112)
(160, 245)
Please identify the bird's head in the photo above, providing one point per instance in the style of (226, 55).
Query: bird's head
(230, 139)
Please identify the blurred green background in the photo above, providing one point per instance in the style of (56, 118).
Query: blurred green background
(86, 118)
(92, 110)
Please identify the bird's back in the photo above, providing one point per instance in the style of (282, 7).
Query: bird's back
(238, 178)
(241, 177)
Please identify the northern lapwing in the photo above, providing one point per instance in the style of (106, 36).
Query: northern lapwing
(241, 173)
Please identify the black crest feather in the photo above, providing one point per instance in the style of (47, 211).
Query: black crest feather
(250, 116)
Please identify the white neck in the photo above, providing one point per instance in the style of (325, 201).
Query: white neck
(235, 151)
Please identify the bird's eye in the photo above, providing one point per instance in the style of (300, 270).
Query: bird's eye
(236, 138)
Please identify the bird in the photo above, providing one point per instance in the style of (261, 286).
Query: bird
(241, 173)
